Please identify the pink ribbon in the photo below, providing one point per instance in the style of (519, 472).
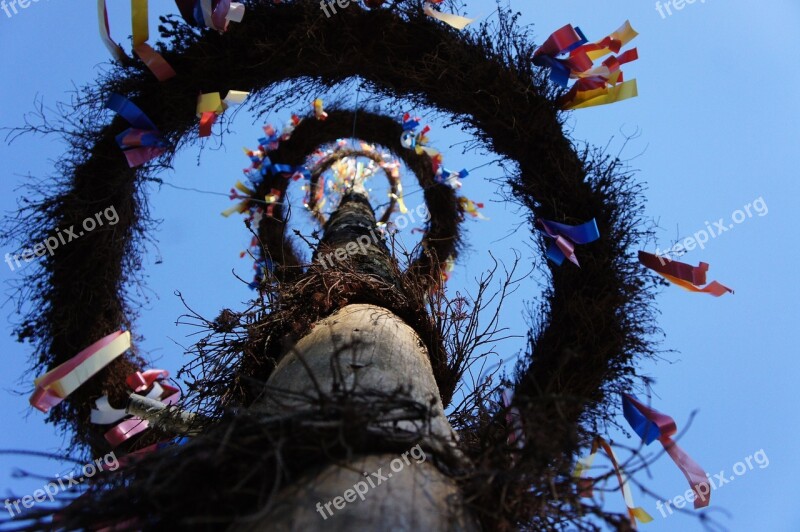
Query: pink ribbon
(140, 381)
(691, 470)
(45, 397)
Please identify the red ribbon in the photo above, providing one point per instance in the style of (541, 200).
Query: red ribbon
(691, 470)
(206, 121)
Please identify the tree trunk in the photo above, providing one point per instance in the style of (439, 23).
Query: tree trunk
(366, 350)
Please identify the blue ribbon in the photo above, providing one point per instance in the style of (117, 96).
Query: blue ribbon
(140, 121)
(410, 125)
(579, 234)
(444, 174)
(130, 112)
(646, 429)
(559, 72)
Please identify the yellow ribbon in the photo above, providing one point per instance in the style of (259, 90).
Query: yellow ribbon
(141, 33)
(583, 465)
(604, 95)
(213, 101)
(624, 34)
(86, 369)
(238, 208)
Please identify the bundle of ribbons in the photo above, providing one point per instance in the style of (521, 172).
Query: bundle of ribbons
(216, 14)
(57, 384)
(141, 142)
(565, 237)
(418, 142)
(569, 55)
(154, 386)
(652, 425)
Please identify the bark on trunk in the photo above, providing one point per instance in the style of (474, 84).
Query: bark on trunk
(366, 349)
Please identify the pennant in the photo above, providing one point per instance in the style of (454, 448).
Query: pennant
(684, 275)
(584, 464)
(565, 237)
(455, 21)
(142, 142)
(56, 385)
(650, 424)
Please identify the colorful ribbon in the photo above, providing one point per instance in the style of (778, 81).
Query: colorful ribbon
(456, 21)
(468, 206)
(651, 425)
(562, 41)
(684, 275)
(105, 32)
(566, 236)
(141, 33)
(599, 85)
(611, 43)
(272, 198)
(56, 385)
(142, 142)
(104, 414)
(451, 179)
(580, 99)
(211, 105)
(584, 464)
(319, 111)
(215, 15)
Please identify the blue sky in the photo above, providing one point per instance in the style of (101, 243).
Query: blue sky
(716, 123)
